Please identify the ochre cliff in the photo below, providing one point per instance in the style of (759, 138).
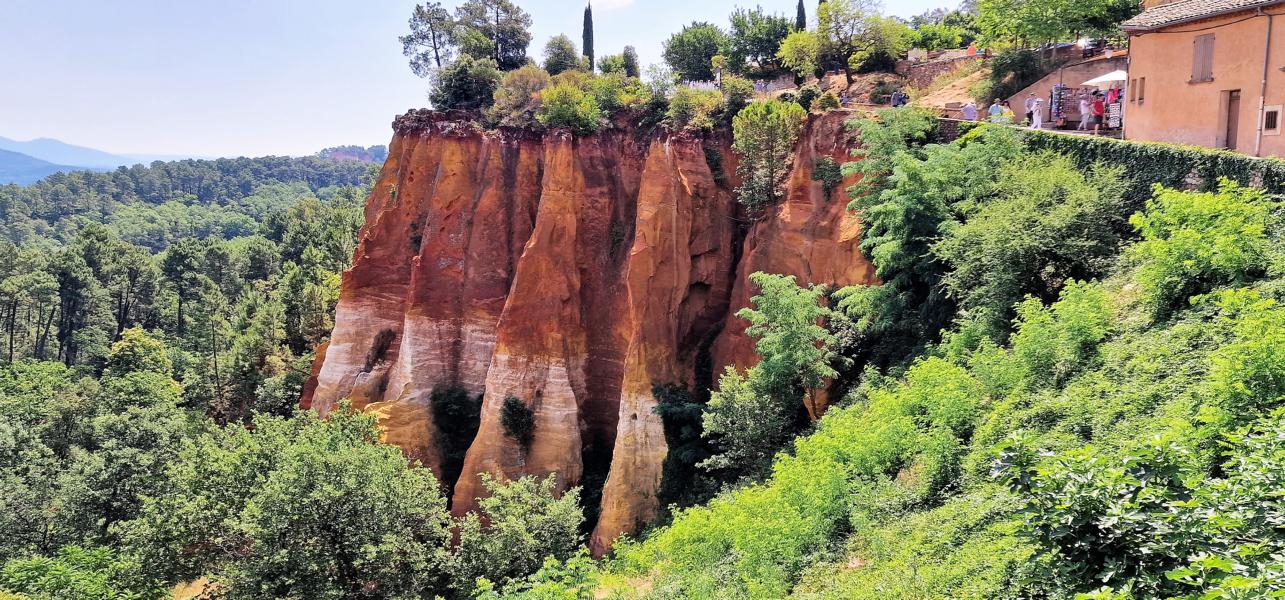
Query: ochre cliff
(573, 274)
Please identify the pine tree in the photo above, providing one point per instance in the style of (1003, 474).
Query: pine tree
(801, 19)
(587, 35)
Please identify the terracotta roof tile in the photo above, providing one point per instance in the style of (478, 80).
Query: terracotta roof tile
(1184, 11)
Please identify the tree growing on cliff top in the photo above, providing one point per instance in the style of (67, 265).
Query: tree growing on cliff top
(430, 43)
(800, 52)
(691, 51)
(800, 17)
(586, 35)
(764, 135)
(632, 69)
(843, 26)
(505, 27)
(466, 83)
(560, 55)
(754, 39)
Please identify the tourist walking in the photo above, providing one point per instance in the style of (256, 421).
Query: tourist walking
(1086, 113)
(970, 111)
(1037, 114)
(996, 111)
(1030, 107)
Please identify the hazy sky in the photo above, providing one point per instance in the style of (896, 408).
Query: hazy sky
(256, 77)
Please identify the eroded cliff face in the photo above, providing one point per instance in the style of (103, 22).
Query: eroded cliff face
(573, 274)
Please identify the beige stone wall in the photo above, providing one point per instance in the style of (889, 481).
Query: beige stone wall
(1175, 109)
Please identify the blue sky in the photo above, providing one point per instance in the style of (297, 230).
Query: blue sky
(256, 77)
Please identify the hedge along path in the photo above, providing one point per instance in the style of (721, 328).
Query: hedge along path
(1149, 163)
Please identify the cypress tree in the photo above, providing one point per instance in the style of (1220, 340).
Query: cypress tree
(801, 20)
(587, 35)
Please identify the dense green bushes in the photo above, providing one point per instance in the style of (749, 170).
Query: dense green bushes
(1098, 447)
(1170, 165)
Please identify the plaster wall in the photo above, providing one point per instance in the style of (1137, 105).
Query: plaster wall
(1178, 110)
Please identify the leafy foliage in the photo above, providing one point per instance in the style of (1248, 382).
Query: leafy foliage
(1193, 242)
(467, 83)
(764, 135)
(560, 55)
(519, 525)
(690, 52)
(754, 38)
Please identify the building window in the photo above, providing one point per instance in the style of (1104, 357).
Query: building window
(1272, 120)
(1202, 62)
(1142, 89)
(1133, 90)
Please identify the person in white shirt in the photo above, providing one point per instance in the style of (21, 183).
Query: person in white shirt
(1030, 107)
(970, 111)
(1037, 114)
(1086, 117)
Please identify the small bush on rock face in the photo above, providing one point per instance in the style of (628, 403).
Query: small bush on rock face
(379, 348)
(466, 83)
(518, 421)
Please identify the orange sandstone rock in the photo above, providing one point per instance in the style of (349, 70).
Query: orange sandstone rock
(573, 274)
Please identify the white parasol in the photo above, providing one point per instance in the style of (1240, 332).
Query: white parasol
(1108, 79)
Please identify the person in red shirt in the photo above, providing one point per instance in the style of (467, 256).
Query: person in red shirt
(1099, 108)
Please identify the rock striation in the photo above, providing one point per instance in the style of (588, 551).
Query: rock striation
(573, 274)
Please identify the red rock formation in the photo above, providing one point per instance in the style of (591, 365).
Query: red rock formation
(572, 274)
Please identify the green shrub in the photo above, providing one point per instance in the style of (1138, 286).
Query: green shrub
(764, 134)
(808, 95)
(1054, 342)
(519, 525)
(737, 93)
(614, 91)
(466, 83)
(1044, 221)
(77, 573)
(1248, 373)
(517, 99)
(518, 421)
(693, 109)
(569, 105)
(827, 101)
(1196, 241)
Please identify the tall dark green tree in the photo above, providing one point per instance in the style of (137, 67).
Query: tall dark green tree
(505, 27)
(586, 35)
(632, 69)
(801, 18)
(429, 44)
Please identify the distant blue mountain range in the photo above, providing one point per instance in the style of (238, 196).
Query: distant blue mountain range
(22, 169)
(27, 162)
